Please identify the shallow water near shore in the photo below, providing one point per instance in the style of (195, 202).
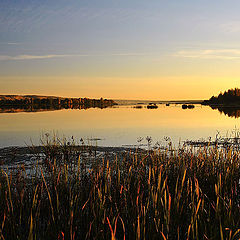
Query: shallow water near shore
(116, 126)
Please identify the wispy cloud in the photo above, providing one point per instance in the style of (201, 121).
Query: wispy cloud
(13, 43)
(227, 54)
(231, 27)
(49, 56)
(10, 43)
(29, 57)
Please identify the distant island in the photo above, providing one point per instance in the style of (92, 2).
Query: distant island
(33, 103)
(228, 98)
(227, 102)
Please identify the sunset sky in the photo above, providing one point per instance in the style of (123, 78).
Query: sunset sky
(121, 49)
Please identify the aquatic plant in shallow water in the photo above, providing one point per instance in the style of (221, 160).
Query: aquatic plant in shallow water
(153, 194)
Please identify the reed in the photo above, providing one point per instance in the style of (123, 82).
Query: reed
(154, 194)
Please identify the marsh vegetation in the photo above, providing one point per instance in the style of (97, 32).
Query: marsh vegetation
(162, 193)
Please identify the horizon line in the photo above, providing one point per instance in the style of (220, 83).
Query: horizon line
(115, 99)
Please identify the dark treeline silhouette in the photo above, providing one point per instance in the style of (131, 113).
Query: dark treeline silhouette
(12, 103)
(227, 102)
(230, 97)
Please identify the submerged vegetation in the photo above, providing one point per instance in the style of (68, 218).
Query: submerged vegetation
(153, 194)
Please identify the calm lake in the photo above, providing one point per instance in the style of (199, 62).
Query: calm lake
(116, 126)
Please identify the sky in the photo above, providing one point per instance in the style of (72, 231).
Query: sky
(120, 49)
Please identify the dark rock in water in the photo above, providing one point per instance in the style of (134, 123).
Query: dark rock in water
(190, 106)
(138, 106)
(152, 106)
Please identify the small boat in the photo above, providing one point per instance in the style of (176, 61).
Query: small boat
(152, 106)
(167, 104)
(184, 106)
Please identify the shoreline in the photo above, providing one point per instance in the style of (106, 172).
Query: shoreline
(17, 155)
(32, 103)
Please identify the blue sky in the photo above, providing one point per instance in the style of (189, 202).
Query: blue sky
(95, 48)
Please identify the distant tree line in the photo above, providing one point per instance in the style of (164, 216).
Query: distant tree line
(34, 103)
(232, 96)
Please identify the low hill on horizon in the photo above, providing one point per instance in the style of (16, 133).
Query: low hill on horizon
(16, 96)
(19, 96)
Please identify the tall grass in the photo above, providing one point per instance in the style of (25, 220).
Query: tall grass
(161, 194)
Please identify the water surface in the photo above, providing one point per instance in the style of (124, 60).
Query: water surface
(117, 126)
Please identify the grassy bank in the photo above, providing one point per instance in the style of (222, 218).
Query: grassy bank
(161, 194)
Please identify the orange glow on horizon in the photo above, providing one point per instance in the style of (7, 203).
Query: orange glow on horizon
(169, 88)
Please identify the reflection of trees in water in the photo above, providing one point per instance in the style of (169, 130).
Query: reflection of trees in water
(229, 111)
(17, 109)
(37, 104)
